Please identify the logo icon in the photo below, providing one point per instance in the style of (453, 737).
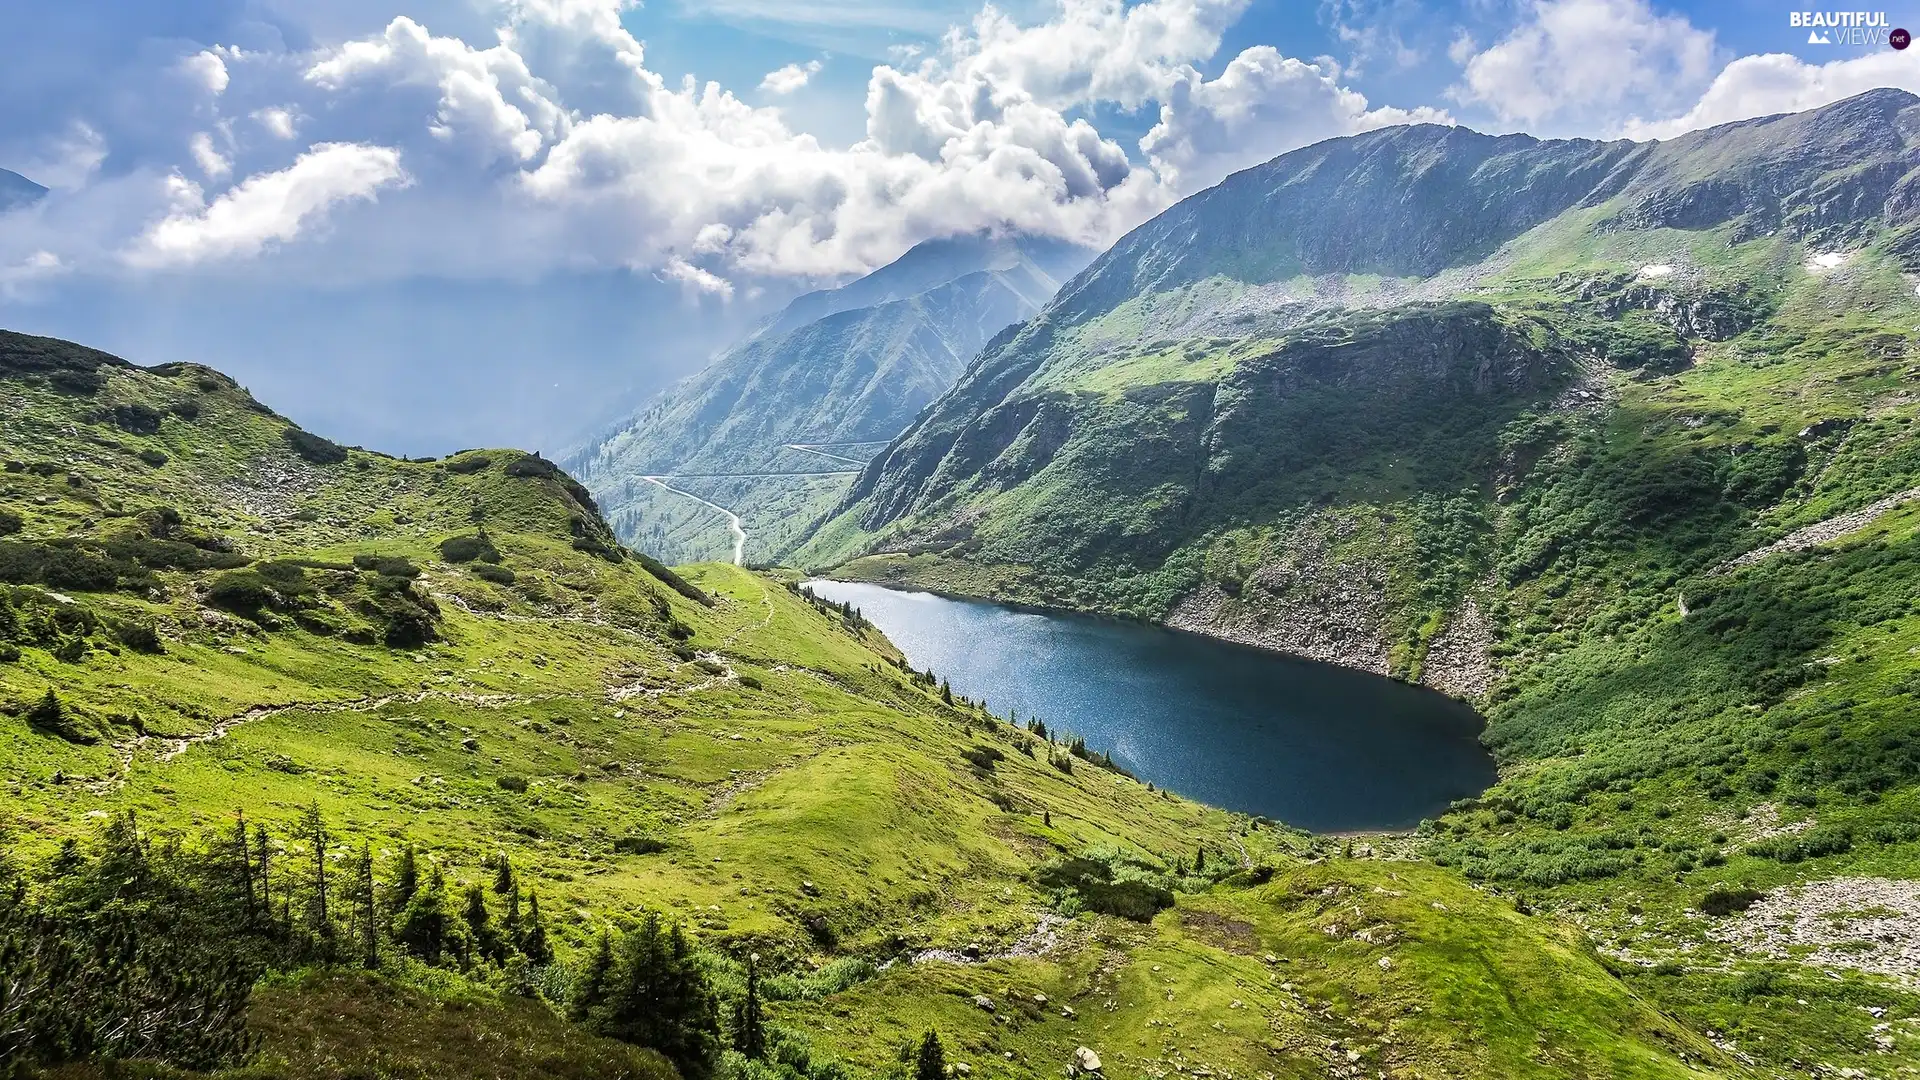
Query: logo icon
(1815, 37)
(1900, 39)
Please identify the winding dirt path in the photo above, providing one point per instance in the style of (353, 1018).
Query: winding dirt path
(733, 519)
(806, 449)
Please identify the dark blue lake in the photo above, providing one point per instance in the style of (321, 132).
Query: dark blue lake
(1314, 745)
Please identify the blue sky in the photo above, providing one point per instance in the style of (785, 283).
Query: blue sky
(577, 165)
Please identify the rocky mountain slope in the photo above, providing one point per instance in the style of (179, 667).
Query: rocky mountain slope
(838, 373)
(1616, 440)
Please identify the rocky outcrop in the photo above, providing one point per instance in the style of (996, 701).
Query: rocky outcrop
(1305, 601)
(1459, 659)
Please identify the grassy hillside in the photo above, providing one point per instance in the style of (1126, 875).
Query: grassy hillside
(1636, 473)
(451, 657)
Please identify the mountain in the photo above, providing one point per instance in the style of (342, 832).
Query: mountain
(343, 764)
(1616, 440)
(838, 371)
(17, 191)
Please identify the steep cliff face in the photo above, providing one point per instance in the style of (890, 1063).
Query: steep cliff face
(1297, 409)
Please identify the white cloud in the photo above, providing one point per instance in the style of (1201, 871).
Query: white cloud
(278, 122)
(1778, 83)
(208, 70)
(213, 163)
(266, 208)
(696, 280)
(1261, 104)
(789, 78)
(1583, 62)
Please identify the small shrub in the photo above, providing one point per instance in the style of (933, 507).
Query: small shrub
(152, 457)
(139, 636)
(313, 448)
(1720, 902)
(468, 463)
(242, 591)
(639, 845)
(10, 522)
(186, 408)
(52, 716)
(499, 575)
(462, 549)
(510, 782)
(395, 566)
(137, 419)
(983, 757)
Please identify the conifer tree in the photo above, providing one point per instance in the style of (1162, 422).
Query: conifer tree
(365, 917)
(422, 926)
(481, 937)
(243, 864)
(406, 880)
(588, 995)
(931, 1063)
(502, 875)
(946, 692)
(535, 945)
(314, 829)
(749, 1022)
(510, 929)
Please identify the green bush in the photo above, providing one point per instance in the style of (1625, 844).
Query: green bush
(397, 566)
(499, 575)
(243, 591)
(10, 522)
(313, 448)
(510, 782)
(152, 457)
(469, 463)
(140, 636)
(461, 549)
(137, 419)
(639, 845)
(1725, 901)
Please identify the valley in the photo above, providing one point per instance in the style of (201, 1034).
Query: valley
(1432, 605)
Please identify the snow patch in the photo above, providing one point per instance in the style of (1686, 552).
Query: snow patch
(1657, 270)
(1826, 260)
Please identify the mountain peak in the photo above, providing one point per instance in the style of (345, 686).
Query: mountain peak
(17, 191)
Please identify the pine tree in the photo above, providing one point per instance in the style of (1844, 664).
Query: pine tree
(406, 880)
(659, 997)
(510, 930)
(243, 864)
(931, 1063)
(588, 995)
(535, 945)
(1199, 859)
(315, 829)
(749, 1021)
(946, 692)
(365, 916)
(480, 932)
(502, 875)
(422, 926)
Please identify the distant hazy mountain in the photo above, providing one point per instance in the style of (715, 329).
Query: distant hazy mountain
(17, 191)
(843, 366)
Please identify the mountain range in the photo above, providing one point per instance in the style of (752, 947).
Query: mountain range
(830, 377)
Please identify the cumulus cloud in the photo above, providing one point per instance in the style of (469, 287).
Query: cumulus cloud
(208, 70)
(266, 208)
(786, 80)
(211, 161)
(277, 121)
(1778, 83)
(549, 144)
(1583, 61)
(1262, 100)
